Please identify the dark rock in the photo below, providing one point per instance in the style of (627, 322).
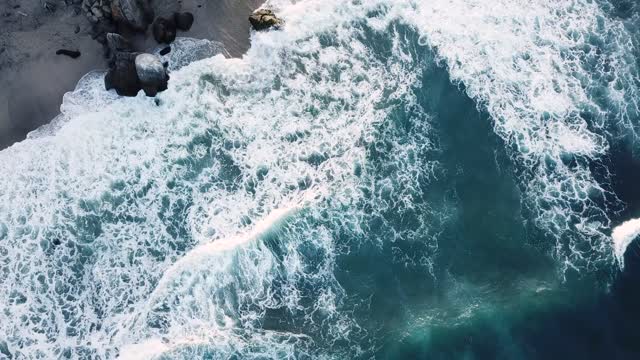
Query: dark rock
(164, 30)
(102, 27)
(264, 19)
(165, 51)
(122, 75)
(49, 6)
(70, 53)
(136, 14)
(117, 43)
(152, 74)
(102, 39)
(183, 20)
(165, 64)
(97, 12)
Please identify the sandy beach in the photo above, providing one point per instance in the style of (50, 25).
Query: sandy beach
(33, 78)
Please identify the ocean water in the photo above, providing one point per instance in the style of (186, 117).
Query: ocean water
(378, 179)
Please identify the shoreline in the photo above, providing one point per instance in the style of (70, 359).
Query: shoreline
(33, 79)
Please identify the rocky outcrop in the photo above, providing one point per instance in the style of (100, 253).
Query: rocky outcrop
(117, 43)
(136, 14)
(264, 19)
(97, 10)
(122, 75)
(183, 20)
(151, 73)
(130, 71)
(164, 30)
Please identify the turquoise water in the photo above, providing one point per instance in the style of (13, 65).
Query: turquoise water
(404, 179)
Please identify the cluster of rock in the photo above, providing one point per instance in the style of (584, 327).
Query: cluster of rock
(131, 71)
(97, 10)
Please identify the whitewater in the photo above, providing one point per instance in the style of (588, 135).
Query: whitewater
(280, 204)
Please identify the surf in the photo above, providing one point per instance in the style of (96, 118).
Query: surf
(134, 219)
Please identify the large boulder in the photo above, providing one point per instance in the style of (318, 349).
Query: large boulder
(122, 75)
(151, 73)
(183, 20)
(264, 19)
(164, 30)
(136, 14)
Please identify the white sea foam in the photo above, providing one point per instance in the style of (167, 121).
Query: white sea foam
(107, 205)
(96, 209)
(533, 65)
(200, 256)
(623, 235)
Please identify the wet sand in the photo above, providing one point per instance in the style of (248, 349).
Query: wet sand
(33, 78)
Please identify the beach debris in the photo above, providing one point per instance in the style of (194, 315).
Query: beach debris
(165, 50)
(77, 29)
(164, 30)
(183, 20)
(152, 74)
(74, 54)
(263, 19)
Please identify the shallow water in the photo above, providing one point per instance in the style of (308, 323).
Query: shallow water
(406, 179)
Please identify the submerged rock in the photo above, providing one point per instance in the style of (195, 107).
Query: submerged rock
(183, 20)
(164, 30)
(264, 19)
(135, 13)
(152, 74)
